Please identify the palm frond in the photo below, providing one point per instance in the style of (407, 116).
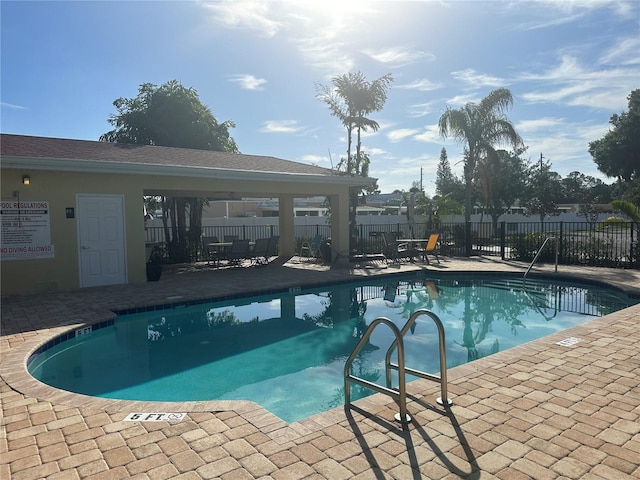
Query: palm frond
(628, 208)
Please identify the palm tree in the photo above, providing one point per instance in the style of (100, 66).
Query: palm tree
(628, 209)
(351, 99)
(370, 98)
(340, 98)
(482, 127)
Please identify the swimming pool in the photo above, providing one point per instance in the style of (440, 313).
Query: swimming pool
(287, 351)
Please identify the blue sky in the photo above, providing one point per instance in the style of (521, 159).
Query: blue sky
(568, 64)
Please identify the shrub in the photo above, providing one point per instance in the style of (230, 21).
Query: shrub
(613, 222)
(526, 245)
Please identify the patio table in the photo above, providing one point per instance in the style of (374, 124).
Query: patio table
(218, 247)
(411, 242)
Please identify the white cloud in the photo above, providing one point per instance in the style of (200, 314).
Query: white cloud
(474, 79)
(548, 22)
(545, 123)
(624, 9)
(572, 84)
(431, 134)
(420, 109)
(324, 35)
(316, 160)
(567, 69)
(401, 134)
(281, 126)
(329, 57)
(375, 151)
(625, 52)
(244, 14)
(463, 99)
(248, 82)
(398, 56)
(422, 85)
(554, 13)
(385, 124)
(564, 143)
(12, 106)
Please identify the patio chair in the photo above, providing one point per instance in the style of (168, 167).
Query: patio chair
(210, 251)
(272, 251)
(431, 247)
(332, 254)
(311, 249)
(260, 254)
(432, 289)
(229, 239)
(393, 249)
(238, 251)
(390, 291)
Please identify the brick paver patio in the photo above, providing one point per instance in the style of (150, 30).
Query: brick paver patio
(540, 410)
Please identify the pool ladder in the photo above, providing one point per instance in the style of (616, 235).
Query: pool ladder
(399, 394)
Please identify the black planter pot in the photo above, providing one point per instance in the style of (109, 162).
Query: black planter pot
(154, 271)
(325, 251)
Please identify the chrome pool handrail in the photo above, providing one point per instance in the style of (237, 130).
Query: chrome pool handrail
(442, 378)
(399, 395)
(539, 252)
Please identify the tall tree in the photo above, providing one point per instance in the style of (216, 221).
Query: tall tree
(481, 127)
(544, 190)
(172, 115)
(617, 154)
(369, 99)
(446, 205)
(364, 165)
(502, 179)
(351, 98)
(587, 192)
(447, 183)
(169, 115)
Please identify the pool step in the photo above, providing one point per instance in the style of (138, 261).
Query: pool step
(531, 287)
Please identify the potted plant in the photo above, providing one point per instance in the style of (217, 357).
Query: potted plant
(154, 264)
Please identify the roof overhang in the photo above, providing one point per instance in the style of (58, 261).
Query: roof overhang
(123, 168)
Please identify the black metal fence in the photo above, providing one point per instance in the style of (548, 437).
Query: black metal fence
(579, 243)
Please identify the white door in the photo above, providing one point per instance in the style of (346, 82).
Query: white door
(101, 239)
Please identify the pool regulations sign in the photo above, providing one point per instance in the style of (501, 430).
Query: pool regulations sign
(26, 230)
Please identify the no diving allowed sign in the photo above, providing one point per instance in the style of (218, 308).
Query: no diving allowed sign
(155, 417)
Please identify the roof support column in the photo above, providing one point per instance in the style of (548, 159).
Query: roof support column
(340, 226)
(286, 227)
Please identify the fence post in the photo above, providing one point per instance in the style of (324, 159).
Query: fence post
(503, 237)
(632, 259)
(467, 239)
(560, 243)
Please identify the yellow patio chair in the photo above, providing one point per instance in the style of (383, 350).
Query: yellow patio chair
(432, 247)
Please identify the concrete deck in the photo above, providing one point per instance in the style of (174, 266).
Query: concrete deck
(540, 410)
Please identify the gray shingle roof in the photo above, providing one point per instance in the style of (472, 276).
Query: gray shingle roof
(67, 149)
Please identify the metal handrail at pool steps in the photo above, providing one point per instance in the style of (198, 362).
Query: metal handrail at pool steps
(399, 394)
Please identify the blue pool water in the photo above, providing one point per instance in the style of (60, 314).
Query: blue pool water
(287, 351)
